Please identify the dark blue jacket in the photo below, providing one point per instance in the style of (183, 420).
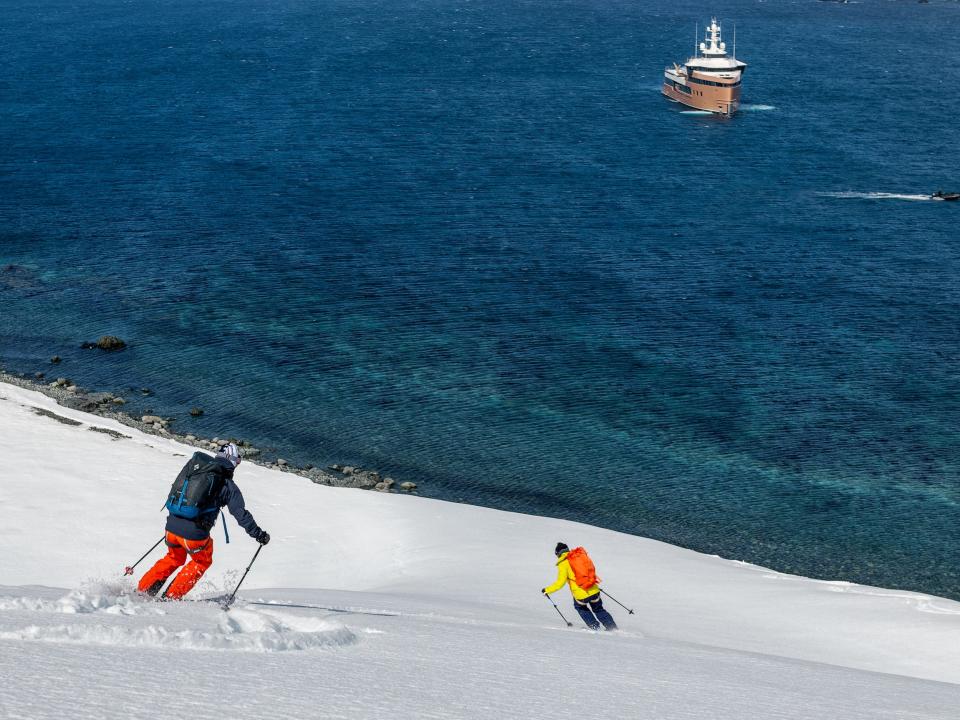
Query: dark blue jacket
(231, 498)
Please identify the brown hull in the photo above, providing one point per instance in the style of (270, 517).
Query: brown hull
(720, 100)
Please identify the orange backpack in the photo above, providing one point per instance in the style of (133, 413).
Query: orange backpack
(584, 573)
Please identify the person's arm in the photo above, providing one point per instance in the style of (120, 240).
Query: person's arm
(561, 579)
(233, 499)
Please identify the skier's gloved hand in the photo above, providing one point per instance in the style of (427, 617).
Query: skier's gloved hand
(263, 537)
(543, 590)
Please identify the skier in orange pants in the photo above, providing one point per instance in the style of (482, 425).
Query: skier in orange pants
(204, 485)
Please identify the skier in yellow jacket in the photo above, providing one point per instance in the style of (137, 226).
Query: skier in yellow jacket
(587, 602)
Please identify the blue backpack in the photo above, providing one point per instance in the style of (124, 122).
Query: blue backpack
(196, 491)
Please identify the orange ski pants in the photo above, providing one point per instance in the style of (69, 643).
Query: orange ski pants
(178, 548)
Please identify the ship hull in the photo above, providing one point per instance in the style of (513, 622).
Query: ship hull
(722, 100)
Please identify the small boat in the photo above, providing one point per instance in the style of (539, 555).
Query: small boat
(941, 195)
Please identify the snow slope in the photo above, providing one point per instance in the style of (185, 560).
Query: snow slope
(458, 630)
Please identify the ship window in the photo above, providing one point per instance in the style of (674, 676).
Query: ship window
(698, 81)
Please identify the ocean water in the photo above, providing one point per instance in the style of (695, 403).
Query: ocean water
(469, 244)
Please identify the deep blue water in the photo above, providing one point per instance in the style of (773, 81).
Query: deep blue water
(468, 243)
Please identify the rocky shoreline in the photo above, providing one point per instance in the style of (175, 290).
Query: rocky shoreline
(108, 405)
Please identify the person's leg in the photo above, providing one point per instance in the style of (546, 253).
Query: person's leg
(586, 615)
(201, 557)
(596, 604)
(155, 577)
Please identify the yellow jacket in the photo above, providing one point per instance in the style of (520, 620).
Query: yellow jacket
(565, 575)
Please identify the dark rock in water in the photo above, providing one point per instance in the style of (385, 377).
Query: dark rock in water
(196, 412)
(56, 359)
(320, 477)
(110, 342)
(39, 375)
(17, 277)
(87, 345)
(362, 480)
(359, 480)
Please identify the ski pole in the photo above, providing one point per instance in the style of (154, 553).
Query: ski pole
(226, 605)
(629, 611)
(569, 624)
(129, 569)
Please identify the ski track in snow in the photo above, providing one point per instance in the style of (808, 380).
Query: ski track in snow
(244, 629)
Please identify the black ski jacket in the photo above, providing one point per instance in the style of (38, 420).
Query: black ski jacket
(231, 498)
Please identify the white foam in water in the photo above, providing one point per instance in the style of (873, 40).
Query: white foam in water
(742, 108)
(875, 196)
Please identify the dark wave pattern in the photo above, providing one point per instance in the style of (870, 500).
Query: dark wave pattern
(467, 242)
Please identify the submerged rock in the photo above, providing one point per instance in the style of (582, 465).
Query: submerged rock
(110, 342)
(17, 277)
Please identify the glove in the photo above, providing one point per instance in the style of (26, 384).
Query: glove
(543, 590)
(263, 537)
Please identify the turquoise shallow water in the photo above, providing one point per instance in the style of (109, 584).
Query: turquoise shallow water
(469, 244)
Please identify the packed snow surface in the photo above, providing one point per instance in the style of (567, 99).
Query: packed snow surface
(368, 605)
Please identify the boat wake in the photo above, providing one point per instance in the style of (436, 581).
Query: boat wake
(874, 196)
(747, 107)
